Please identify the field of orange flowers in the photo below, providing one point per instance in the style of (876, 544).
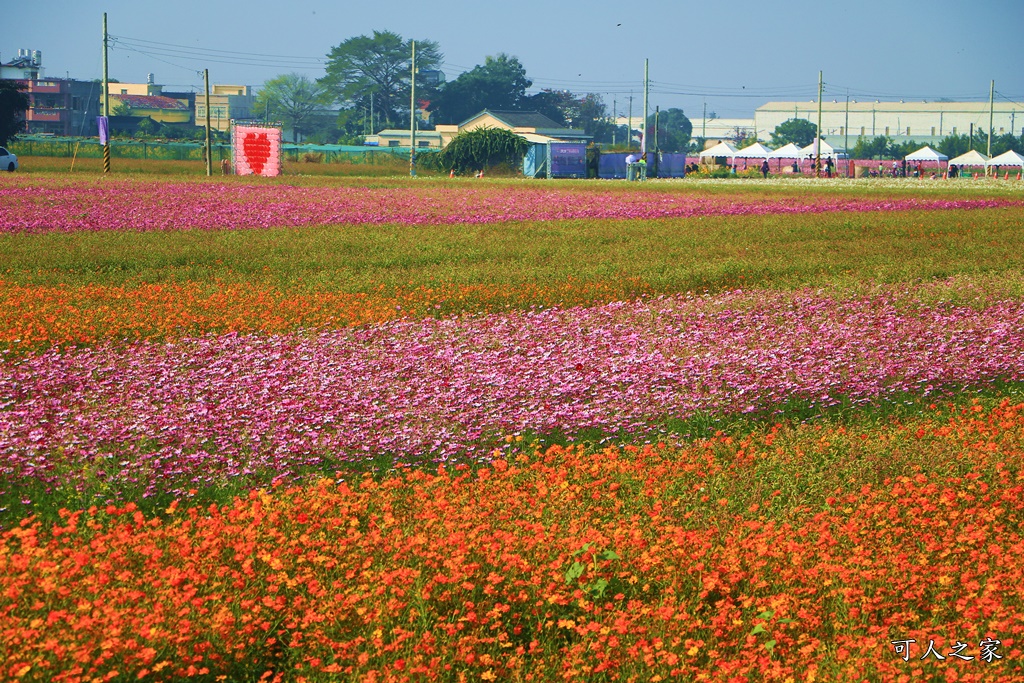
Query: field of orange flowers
(793, 553)
(508, 431)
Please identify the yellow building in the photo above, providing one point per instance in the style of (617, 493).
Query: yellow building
(147, 89)
(227, 102)
(533, 126)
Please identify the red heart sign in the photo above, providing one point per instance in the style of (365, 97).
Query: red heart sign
(257, 151)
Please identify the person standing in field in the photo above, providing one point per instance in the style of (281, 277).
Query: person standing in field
(764, 168)
(631, 159)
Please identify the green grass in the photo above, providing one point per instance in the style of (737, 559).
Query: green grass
(670, 255)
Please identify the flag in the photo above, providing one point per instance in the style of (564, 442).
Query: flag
(102, 122)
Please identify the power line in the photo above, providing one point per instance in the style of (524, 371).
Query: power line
(203, 50)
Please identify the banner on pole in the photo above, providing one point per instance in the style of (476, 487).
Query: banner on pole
(103, 123)
(256, 150)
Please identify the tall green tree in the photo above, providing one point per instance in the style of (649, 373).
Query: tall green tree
(953, 145)
(13, 103)
(378, 68)
(499, 83)
(674, 130)
(873, 148)
(798, 131)
(293, 99)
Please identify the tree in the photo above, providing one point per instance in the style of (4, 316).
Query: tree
(674, 130)
(482, 148)
(13, 103)
(499, 83)
(147, 127)
(553, 104)
(954, 145)
(877, 147)
(292, 99)
(798, 131)
(378, 68)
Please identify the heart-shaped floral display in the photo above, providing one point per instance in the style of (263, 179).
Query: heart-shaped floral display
(256, 147)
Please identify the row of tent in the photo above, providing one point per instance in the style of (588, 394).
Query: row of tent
(972, 158)
(759, 151)
(792, 151)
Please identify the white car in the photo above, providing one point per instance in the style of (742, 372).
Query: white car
(8, 161)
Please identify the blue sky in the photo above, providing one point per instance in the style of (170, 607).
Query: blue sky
(733, 56)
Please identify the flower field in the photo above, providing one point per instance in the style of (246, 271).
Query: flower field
(509, 431)
(56, 206)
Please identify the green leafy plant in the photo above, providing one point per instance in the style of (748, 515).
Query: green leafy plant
(483, 148)
(758, 629)
(597, 586)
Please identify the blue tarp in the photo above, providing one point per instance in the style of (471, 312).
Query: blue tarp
(672, 165)
(612, 165)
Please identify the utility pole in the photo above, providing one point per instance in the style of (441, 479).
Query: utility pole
(629, 126)
(106, 101)
(412, 116)
(615, 122)
(846, 134)
(643, 140)
(704, 126)
(657, 112)
(817, 140)
(991, 114)
(209, 150)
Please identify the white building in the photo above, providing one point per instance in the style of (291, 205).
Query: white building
(712, 130)
(924, 122)
(27, 66)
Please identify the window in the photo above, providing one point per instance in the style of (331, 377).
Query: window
(392, 143)
(933, 131)
(423, 143)
(124, 91)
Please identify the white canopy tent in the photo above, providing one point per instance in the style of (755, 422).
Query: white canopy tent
(926, 153)
(722, 149)
(787, 151)
(1010, 158)
(827, 150)
(968, 159)
(972, 158)
(754, 151)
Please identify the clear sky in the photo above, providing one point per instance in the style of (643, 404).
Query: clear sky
(731, 56)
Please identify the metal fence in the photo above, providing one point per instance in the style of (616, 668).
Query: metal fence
(27, 145)
(45, 146)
